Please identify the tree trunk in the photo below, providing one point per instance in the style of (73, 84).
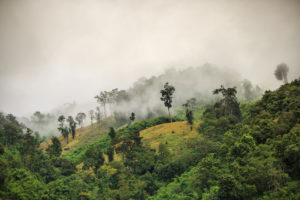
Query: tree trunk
(170, 114)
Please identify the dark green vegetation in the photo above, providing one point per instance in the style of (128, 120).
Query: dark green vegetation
(243, 151)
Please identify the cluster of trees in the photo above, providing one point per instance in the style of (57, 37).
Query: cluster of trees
(25, 171)
(115, 97)
(111, 98)
(68, 125)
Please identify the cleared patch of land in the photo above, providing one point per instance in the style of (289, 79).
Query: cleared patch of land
(171, 134)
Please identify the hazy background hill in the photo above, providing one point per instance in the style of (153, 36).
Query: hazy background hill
(143, 97)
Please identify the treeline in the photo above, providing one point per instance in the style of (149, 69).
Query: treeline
(143, 98)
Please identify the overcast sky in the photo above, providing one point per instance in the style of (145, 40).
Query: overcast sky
(58, 51)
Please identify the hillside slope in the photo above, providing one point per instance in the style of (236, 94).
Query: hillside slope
(171, 134)
(84, 136)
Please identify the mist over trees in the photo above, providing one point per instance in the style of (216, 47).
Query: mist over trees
(46, 123)
(92, 116)
(143, 98)
(80, 117)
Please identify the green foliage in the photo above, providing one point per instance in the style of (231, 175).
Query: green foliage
(54, 149)
(22, 184)
(78, 155)
(93, 158)
(112, 133)
(66, 166)
(110, 153)
(66, 188)
(228, 105)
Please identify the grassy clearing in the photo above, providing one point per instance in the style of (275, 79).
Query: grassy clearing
(171, 134)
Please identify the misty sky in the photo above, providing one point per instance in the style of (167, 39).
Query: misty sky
(58, 51)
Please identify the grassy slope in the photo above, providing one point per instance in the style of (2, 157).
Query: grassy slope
(170, 133)
(85, 136)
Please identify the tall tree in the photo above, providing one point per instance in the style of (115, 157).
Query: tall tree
(79, 118)
(72, 125)
(62, 128)
(61, 120)
(112, 98)
(103, 99)
(132, 117)
(167, 96)
(189, 106)
(281, 72)
(189, 116)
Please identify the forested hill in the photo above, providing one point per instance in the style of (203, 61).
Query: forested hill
(233, 151)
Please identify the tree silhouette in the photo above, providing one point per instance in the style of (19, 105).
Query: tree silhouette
(103, 99)
(281, 72)
(63, 130)
(79, 118)
(166, 97)
(132, 117)
(72, 125)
